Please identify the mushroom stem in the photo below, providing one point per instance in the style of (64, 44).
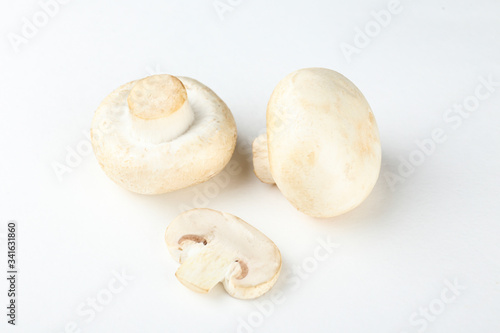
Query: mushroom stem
(203, 271)
(261, 166)
(159, 109)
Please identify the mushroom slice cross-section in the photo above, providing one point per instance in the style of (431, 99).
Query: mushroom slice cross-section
(214, 247)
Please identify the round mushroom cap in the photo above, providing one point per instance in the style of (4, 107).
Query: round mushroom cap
(323, 141)
(162, 133)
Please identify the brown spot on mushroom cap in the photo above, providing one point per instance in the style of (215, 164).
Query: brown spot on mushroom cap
(244, 269)
(194, 238)
(311, 158)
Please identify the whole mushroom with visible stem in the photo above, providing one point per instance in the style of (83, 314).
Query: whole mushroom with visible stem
(322, 146)
(214, 247)
(162, 133)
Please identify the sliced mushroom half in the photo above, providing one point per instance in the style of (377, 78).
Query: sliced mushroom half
(214, 247)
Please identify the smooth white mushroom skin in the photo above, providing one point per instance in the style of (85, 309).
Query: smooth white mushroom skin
(215, 247)
(261, 166)
(324, 145)
(162, 133)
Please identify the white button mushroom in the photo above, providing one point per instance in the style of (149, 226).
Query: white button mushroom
(162, 133)
(322, 141)
(215, 247)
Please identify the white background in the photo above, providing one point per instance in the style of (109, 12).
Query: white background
(440, 222)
